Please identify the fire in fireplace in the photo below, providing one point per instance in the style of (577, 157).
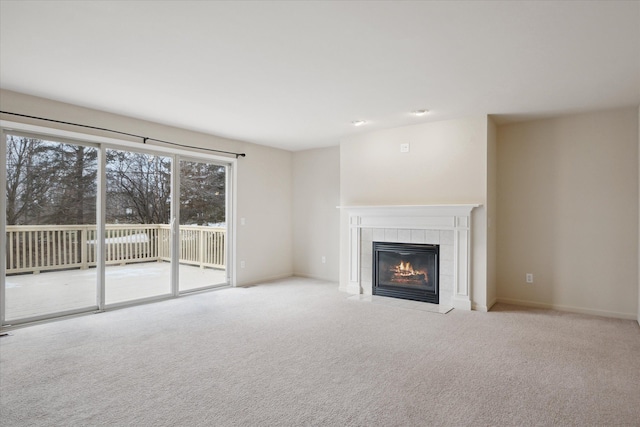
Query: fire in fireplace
(406, 270)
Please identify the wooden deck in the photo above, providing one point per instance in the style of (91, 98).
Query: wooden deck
(30, 295)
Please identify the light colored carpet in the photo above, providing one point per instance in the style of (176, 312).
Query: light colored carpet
(298, 352)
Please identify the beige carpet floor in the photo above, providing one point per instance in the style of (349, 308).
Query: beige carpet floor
(298, 352)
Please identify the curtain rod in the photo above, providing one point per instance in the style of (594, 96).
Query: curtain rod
(144, 138)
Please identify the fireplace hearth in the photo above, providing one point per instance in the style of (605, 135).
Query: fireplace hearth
(406, 270)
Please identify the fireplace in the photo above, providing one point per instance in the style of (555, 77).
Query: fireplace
(448, 226)
(406, 270)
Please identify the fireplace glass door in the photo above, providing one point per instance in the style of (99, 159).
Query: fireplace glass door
(408, 271)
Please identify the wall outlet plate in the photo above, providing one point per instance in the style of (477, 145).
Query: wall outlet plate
(529, 278)
(404, 148)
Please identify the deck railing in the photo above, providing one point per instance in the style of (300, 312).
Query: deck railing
(36, 248)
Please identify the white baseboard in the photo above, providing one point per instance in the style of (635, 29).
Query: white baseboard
(570, 309)
(484, 308)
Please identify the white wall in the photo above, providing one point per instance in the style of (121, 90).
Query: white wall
(568, 209)
(264, 179)
(316, 220)
(447, 164)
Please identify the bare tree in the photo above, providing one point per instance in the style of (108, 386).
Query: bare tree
(138, 187)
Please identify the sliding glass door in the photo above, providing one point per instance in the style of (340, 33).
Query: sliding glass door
(138, 226)
(89, 227)
(203, 225)
(50, 226)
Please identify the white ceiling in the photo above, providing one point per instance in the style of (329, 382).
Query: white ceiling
(294, 75)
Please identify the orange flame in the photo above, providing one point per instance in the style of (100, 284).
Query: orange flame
(405, 269)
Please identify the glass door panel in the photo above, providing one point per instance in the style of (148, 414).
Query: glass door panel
(137, 229)
(50, 226)
(203, 230)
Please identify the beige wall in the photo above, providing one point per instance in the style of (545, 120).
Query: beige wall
(492, 212)
(264, 192)
(638, 318)
(316, 220)
(264, 180)
(568, 209)
(447, 163)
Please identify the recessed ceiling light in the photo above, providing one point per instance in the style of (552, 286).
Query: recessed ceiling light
(358, 122)
(419, 112)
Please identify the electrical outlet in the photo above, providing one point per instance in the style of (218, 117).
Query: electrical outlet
(529, 278)
(404, 148)
(242, 264)
(324, 259)
(243, 221)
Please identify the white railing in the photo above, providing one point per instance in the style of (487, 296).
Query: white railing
(36, 248)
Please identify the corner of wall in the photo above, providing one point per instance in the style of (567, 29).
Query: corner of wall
(560, 153)
(492, 212)
(316, 220)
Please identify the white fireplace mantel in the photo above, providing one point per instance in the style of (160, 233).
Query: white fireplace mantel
(402, 218)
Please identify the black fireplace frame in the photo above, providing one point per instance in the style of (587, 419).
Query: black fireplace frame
(398, 291)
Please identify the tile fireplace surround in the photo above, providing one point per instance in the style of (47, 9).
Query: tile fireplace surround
(446, 225)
